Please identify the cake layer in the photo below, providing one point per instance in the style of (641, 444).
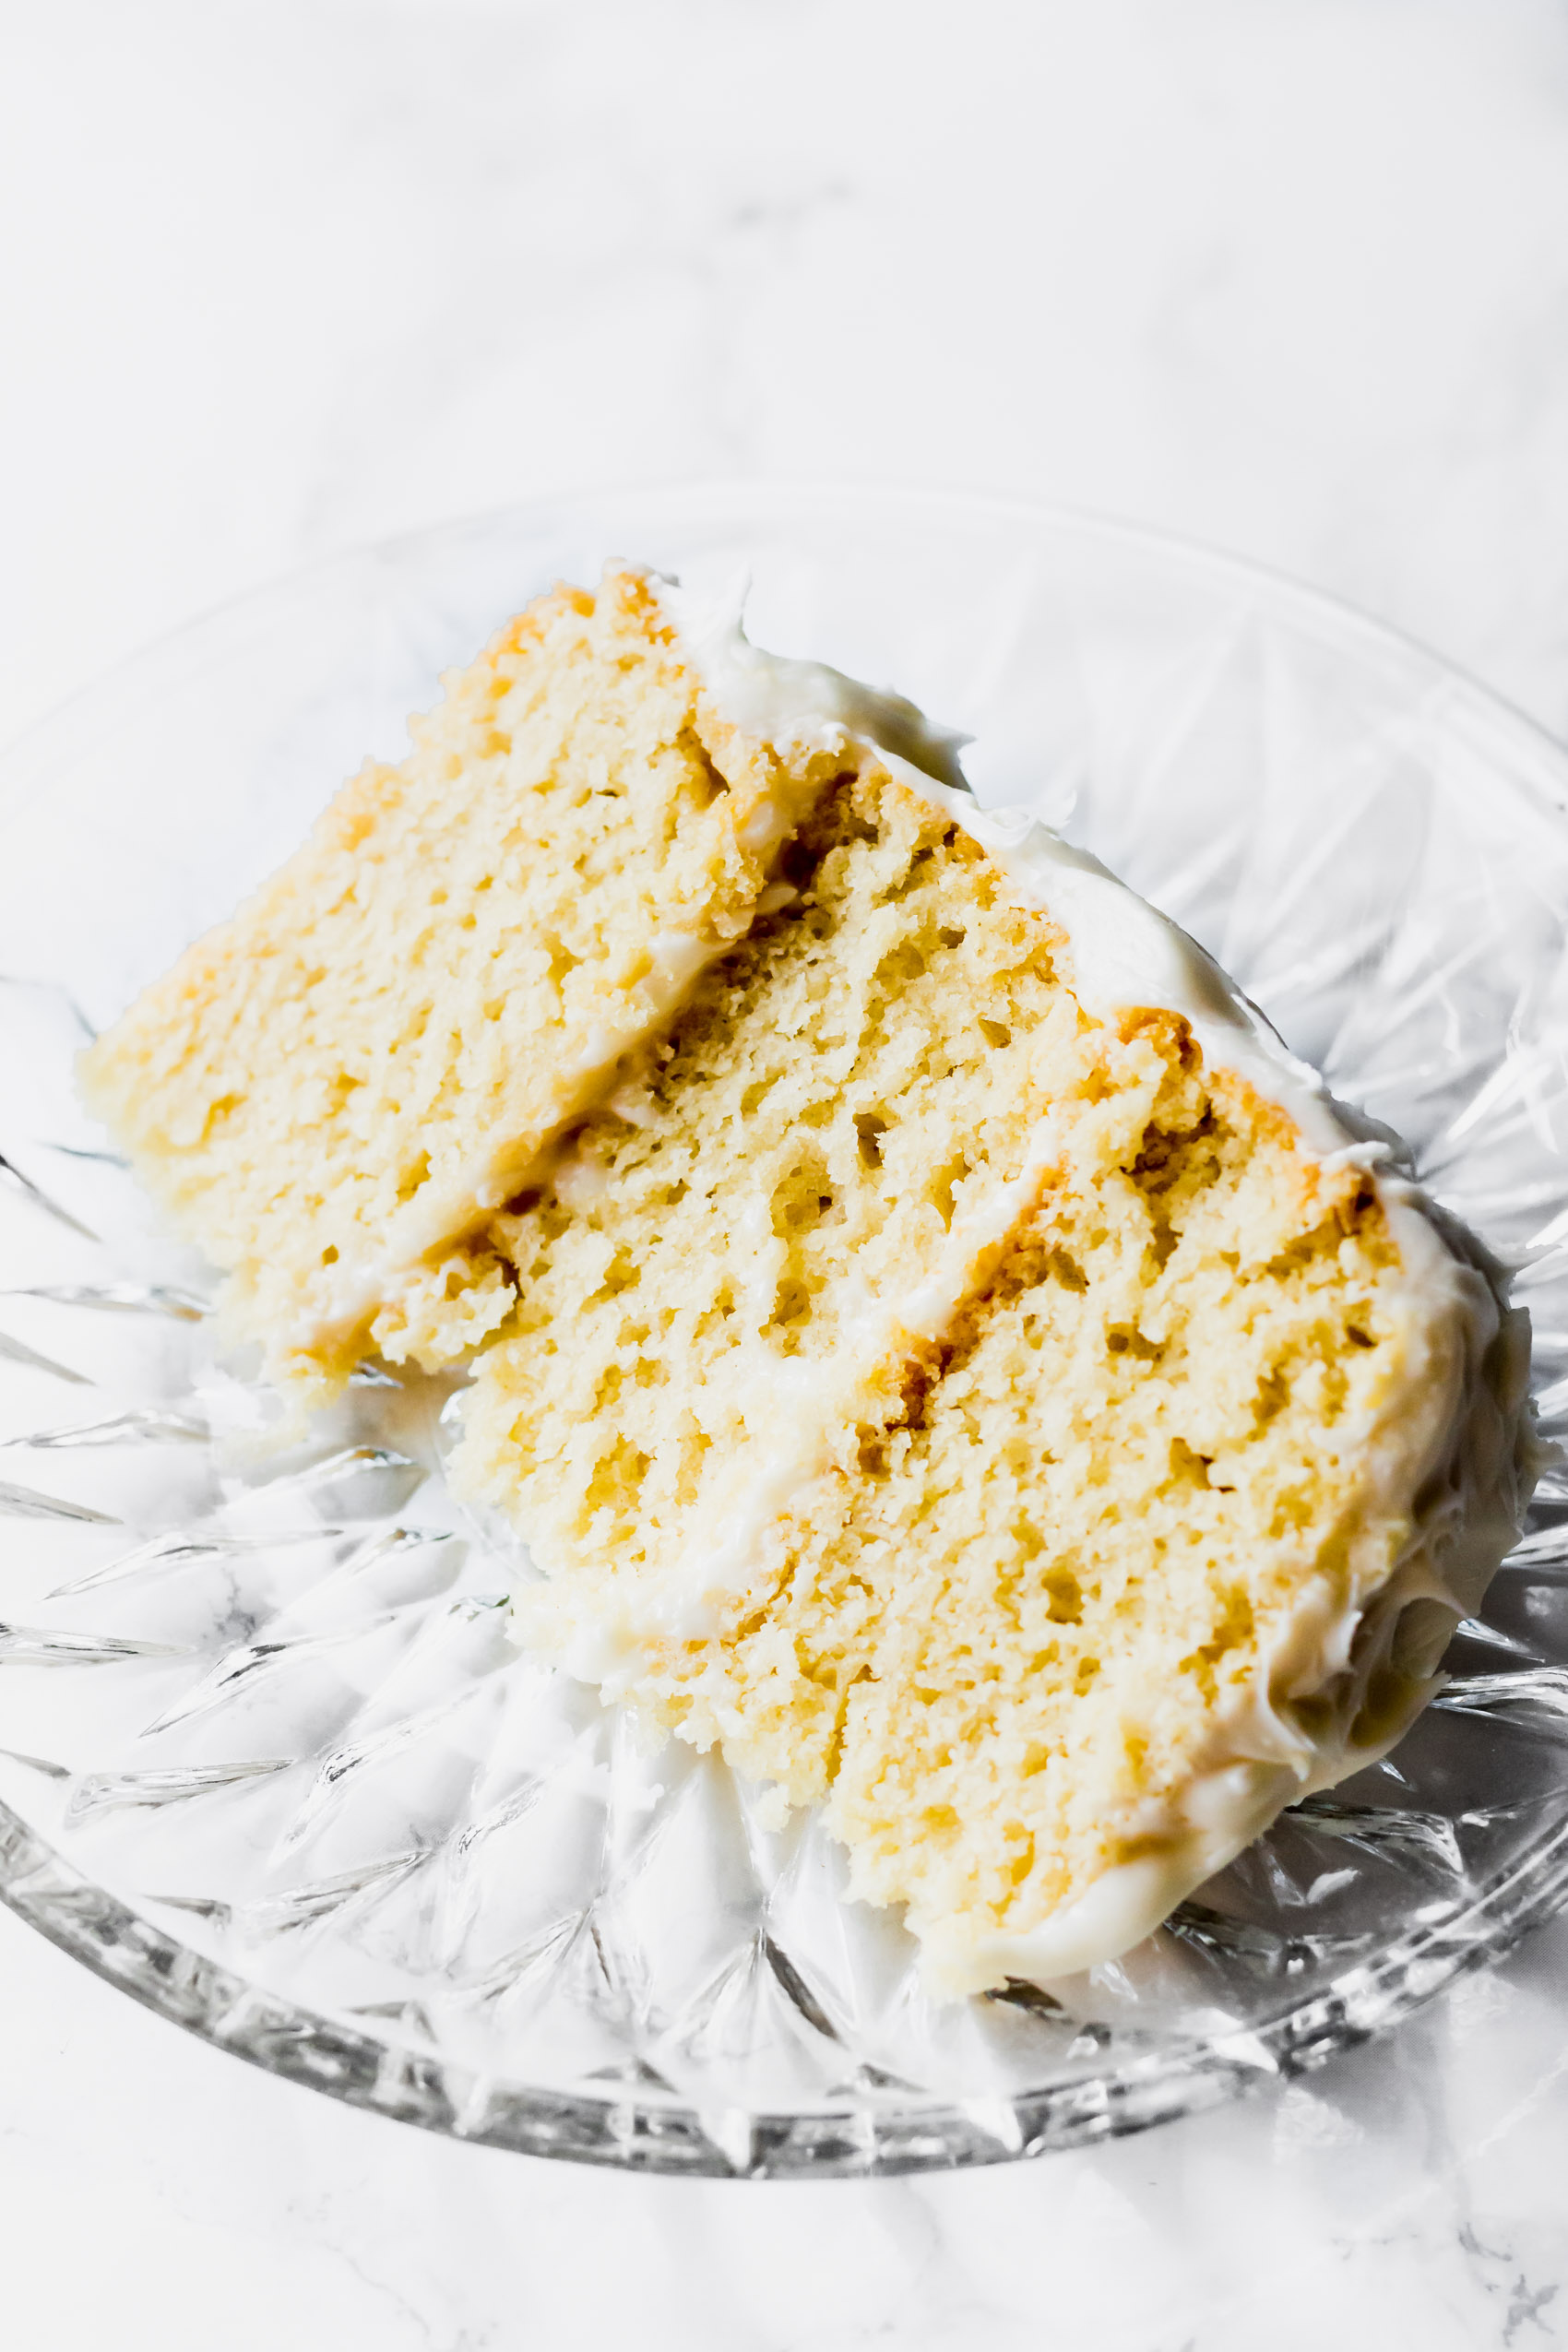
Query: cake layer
(336, 1087)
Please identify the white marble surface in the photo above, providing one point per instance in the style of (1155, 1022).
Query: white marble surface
(278, 275)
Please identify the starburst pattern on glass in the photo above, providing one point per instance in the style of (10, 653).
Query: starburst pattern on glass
(269, 1756)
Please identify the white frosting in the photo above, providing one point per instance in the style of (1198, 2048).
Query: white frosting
(803, 703)
(1465, 1355)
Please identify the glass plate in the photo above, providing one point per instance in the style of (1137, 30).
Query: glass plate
(271, 1762)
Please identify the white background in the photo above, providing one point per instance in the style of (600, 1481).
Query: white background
(279, 275)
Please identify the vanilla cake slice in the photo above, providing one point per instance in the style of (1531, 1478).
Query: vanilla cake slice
(940, 1349)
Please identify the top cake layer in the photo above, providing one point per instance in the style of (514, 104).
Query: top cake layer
(336, 1087)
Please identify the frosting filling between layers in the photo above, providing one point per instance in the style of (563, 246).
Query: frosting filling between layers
(806, 1404)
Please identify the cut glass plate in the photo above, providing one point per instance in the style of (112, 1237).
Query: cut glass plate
(270, 1759)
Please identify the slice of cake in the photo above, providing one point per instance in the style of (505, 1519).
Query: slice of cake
(940, 1349)
(335, 1089)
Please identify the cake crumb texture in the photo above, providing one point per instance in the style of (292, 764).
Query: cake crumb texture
(337, 1088)
(702, 1285)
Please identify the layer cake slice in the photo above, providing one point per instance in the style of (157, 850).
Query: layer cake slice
(938, 1346)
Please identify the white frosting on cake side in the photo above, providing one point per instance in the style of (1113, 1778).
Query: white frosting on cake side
(805, 703)
(1454, 1433)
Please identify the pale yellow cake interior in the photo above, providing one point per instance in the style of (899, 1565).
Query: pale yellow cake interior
(336, 1087)
(869, 1060)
